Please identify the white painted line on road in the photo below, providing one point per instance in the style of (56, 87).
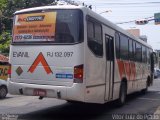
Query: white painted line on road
(157, 111)
(149, 99)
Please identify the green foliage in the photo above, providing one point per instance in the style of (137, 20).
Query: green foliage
(3, 4)
(7, 9)
(5, 39)
(14, 5)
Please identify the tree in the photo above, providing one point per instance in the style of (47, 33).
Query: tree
(4, 43)
(7, 8)
(5, 39)
(3, 4)
(14, 5)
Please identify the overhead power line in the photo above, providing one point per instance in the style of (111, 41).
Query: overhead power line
(135, 3)
(148, 18)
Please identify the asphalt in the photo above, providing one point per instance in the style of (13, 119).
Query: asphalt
(156, 87)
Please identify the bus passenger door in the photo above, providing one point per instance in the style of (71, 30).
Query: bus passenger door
(109, 48)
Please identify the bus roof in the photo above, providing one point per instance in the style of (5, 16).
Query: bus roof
(50, 7)
(87, 11)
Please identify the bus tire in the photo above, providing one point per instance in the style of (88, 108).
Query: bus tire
(144, 91)
(74, 102)
(3, 92)
(122, 94)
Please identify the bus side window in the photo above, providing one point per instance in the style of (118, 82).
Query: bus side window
(149, 59)
(123, 47)
(144, 54)
(138, 52)
(117, 45)
(134, 51)
(95, 43)
(148, 56)
(131, 56)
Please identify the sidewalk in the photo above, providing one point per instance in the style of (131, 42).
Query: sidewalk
(155, 86)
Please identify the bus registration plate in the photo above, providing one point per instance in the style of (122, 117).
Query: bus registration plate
(39, 92)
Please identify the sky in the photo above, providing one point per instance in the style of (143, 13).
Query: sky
(130, 10)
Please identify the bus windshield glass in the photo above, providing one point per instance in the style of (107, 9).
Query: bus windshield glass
(52, 26)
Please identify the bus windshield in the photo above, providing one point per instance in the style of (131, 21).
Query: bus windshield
(51, 26)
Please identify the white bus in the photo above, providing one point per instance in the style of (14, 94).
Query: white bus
(72, 53)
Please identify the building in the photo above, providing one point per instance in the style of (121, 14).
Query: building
(135, 32)
(3, 58)
(157, 65)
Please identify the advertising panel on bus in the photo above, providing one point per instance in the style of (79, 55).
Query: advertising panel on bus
(34, 27)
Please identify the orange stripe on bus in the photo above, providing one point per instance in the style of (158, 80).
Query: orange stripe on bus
(121, 68)
(127, 69)
(133, 68)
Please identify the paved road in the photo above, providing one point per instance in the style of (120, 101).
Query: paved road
(26, 107)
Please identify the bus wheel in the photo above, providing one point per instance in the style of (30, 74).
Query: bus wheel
(3, 92)
(144, 91)
(73, 102)
(122, 94)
